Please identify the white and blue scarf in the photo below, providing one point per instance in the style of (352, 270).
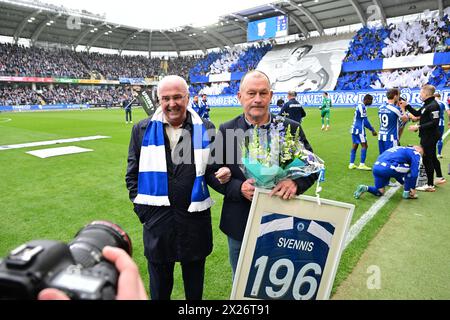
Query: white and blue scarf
(153, 189)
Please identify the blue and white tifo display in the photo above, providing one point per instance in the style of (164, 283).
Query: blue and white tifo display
(268, 28)
(289, 258)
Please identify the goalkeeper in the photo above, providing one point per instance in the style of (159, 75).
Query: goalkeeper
(325, 111)
(401, 163)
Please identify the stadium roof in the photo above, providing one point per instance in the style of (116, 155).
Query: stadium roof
(55, 24)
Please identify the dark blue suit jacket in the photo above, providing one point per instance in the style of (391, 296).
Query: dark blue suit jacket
(294, 110)
(236, 208)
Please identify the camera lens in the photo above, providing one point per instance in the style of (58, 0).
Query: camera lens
(89, 242)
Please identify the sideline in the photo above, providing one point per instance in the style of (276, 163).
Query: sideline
(356, 229)
(52, 142)
(408, 258)
(4, 120)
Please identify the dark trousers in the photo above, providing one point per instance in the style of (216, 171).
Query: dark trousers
(161, 279)
(128, 115)
(430, 160)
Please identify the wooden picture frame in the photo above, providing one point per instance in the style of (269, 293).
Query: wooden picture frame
(291, 249)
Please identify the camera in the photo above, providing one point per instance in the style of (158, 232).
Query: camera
(77, 268)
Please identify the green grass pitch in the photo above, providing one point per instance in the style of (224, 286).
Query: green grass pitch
(54, 198)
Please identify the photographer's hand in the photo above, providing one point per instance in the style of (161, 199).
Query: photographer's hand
(129, 286)
(52, 294)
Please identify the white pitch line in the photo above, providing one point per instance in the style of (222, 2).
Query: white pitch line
(356, 229)
(365, 219)
(5, 120)
(48, 143)
(446, 135)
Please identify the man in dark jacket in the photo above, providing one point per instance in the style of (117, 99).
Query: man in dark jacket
(173, 230)
(127, 103)
(429, 134)
(293, 109)
(255, 96)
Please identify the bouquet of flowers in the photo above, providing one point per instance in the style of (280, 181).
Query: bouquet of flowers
(276, 154)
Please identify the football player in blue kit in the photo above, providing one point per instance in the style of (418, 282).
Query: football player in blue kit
(400, 163)
(390, 115)
(444, 108)
(204, 107)
(195, 105)
(360, 122)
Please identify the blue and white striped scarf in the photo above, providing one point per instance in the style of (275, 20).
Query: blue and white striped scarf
(153, 189)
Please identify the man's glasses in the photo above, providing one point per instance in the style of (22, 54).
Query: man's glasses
(176, 98)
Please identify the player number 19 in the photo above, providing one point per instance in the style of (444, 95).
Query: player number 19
(384, 119)
(286, 281)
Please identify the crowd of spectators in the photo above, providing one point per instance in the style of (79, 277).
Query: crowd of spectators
(403, 78)
(440, 78)
(356, 80)
(367, 44)
(233, 88)
(16, 60)
(417, 37)
(403, 39)
(398, 40)
(181, 66)
(105, 96)
(19, 61)
(226, 60)
(10, 96)
(110, 96)
(400, 78)
(236, 59)
(113, 67)
(250, 58)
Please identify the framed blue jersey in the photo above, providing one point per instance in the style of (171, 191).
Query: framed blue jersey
(288, 248)
(291, 249)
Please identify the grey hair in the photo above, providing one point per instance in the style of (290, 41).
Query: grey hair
(292, 93)
(430, 89)
(257, 73)
(169, 79)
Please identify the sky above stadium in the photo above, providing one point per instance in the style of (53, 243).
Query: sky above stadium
(160, 14)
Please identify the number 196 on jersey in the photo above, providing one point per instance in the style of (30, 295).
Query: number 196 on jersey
(289, 258)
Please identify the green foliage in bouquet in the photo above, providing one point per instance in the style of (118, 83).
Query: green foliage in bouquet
(275, 154)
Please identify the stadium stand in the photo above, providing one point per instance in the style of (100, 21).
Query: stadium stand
(95, 96)
(218, 72)
(408, 38)
(16, 60)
